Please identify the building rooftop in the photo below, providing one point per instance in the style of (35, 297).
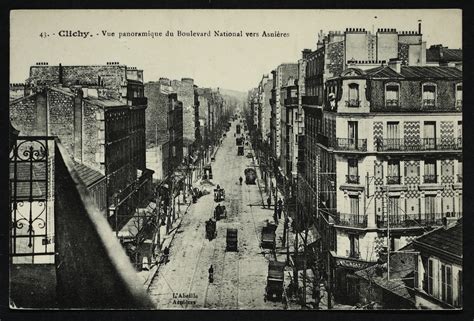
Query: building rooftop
(443, 54)
(383, 71)
(448, 239)
(88, 175)
(430, 72)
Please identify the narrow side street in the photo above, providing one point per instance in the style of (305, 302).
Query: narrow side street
(239, 277)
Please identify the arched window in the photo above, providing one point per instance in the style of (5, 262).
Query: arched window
(392, 95)
(429, 95)
(353, 95)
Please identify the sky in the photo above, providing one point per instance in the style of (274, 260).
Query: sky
(236, 63)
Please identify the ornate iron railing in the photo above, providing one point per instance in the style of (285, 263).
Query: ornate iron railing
(352, 103)
(418, 144)
(31, 200)
(351, 144)
(352, 220)
(392, 103)
(394, 180)
(352, 179)
(415, 220)
(427, 179)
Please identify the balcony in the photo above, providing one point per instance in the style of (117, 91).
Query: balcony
(418, 144)
(393, 180)
(429, 102)
(351, 220)
(392, 103)
(352, 179)
(415, 220)
(351, 144)
(292, 101)
(352, 103)
(310, 100)
(430, 179)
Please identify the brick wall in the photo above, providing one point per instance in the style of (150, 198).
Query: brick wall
(90, 136)
(61, 119)
(335, 57)
(411, 95)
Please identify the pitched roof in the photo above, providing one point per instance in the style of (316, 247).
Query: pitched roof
(430, 72)
(448, 240)
(443, 55)
(383, 71)
(88, 175)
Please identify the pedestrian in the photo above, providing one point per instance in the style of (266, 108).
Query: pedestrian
(269, 201)
(280, 207)
(240, 180)
(211, 274)
(166, 254)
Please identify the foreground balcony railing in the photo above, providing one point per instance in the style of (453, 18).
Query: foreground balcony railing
(415, 220)
(351, 144)
(352, 179)
(418, 144)
(352, 220)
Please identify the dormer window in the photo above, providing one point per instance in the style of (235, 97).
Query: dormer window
(459, 95)
(429, 95)
(392, 95)
(353, 100)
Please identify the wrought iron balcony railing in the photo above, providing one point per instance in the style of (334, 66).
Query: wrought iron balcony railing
(352, 179)
(415, 220)
(394, 180)
(352, 103)
(352, 220)
(418, 144)
(392, 103)
(430, 179)
(351, 144)
(429, 102)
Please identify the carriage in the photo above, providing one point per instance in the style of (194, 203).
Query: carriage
(240, 150)
(219, 194)
(211, 231)
(220, 212)
(250, 176)
(268, 236)
(275, 277)
(231, 240)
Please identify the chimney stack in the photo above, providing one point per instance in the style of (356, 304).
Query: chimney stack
(395, 64)
(419, 27)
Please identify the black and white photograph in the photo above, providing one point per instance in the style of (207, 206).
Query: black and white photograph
(198, 159)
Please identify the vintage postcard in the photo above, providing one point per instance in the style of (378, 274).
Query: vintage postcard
(236, 159)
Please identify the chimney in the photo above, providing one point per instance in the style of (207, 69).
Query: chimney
(419, 27)
(395, 64)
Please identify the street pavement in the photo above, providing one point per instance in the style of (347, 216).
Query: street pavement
(239, 277)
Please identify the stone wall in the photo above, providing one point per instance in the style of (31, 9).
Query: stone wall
(156, 114)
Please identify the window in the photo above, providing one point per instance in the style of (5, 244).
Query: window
(429, 135)
(353, 171)
(430, 276)
(392, 95)
(354, 204)
(429, 95)
(394, 210)
(430, 171)
(393, 171)
(430, 208)
(459, 171)
(460, 290)
(459, 95)
(393, 136)
(446, 283)
(352, 134)
(354, 245)
(353, 95)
